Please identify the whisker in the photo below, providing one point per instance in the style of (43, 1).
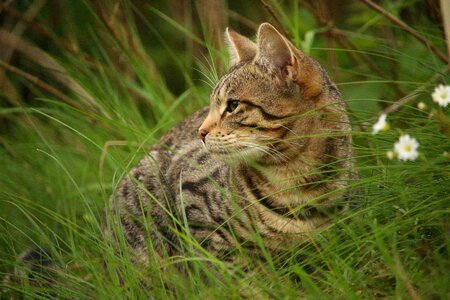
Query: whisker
(271, 140)
(275, 154)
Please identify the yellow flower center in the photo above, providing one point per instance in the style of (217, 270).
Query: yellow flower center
(408, 148)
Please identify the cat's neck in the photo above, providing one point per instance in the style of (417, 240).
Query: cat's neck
(288, 184)
(287, 176)
(301, 168)
(299, 178)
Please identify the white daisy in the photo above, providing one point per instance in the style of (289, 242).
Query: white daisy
(406, 148)
(421, 106)
(381, 124)
(441, 95)
(390, 155)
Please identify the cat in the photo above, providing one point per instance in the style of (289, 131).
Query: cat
(272, 155)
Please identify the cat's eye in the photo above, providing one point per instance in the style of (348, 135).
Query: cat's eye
(231, 105)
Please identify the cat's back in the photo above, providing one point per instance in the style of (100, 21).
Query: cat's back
(185, 133)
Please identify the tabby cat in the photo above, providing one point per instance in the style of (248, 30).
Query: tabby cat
(272, 155)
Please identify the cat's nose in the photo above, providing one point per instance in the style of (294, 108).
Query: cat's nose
(202, 133)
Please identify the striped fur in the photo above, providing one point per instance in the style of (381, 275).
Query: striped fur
(278, 164)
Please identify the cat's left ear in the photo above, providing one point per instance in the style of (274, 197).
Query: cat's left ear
(240, 48)
(276, 51)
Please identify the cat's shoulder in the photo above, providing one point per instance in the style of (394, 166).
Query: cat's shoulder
(185, 131)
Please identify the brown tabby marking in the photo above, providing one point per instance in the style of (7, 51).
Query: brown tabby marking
(273, 156)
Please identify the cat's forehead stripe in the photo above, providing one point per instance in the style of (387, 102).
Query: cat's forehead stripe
(220, 89)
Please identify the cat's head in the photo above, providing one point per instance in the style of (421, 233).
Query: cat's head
(259, 108)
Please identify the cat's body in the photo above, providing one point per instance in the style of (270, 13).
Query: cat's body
(273, 156)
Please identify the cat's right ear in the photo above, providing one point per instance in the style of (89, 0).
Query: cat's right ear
(240, 48)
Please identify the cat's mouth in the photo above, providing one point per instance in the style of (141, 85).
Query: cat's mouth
(241, 149)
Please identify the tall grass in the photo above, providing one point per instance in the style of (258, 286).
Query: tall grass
(139, 71)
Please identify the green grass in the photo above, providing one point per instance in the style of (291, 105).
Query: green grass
(60, 161)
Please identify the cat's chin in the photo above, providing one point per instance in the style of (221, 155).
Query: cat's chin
(242, 156)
